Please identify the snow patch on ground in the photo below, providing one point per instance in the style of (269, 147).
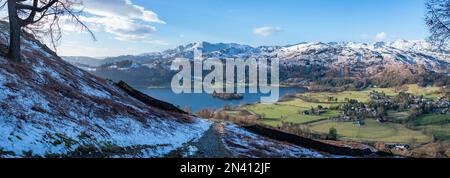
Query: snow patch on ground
(191, 150)
(94, 92)
(169, 133)
(160, 136)
(244, 143)
(40, 70)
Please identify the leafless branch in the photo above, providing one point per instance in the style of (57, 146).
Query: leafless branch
(438, 21)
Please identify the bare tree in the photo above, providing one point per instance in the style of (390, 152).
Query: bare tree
(42, 18)
(438, 20)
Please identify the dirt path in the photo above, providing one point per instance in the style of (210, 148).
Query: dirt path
(211, 145)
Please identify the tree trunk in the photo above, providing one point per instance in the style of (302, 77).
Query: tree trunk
(14, 31)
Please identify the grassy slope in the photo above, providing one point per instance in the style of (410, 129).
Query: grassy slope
(398, 116)
(290, 111)
(437, 124)
(372, 131)
(363, 96)
(440, 132)
(429, 119)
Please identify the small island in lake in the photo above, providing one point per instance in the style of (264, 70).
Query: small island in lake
(228, 96)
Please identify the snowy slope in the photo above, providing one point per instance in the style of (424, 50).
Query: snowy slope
(243, 143)
(49, 107)
(399, 52)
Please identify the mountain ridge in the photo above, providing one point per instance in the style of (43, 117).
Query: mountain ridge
(399, 44)
(304, 62)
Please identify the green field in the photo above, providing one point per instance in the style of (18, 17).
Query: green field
(398, 116)
(436, 124)
(363, 96)
(290, 111)
(275, 114)
(432, 119)
(306, 105)
(440, 132)
(427, 92)
(372, 131)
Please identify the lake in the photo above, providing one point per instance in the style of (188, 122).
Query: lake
(198, 102)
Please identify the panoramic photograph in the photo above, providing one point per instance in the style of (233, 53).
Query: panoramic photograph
(190, 79)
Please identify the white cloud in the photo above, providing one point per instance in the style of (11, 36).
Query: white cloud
(69, 49)
(380, 36)
(93, 49)
(120, 8)
(125, 20)
(266, 31)
(156, 42)
(122, 28)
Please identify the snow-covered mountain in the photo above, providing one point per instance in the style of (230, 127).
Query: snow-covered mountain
(299, 63)
(401, 51)
(375, 54)
(213, 50)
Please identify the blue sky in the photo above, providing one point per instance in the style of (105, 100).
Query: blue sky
(252, 22)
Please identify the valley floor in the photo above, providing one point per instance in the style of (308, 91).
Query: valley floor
(400, 128)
